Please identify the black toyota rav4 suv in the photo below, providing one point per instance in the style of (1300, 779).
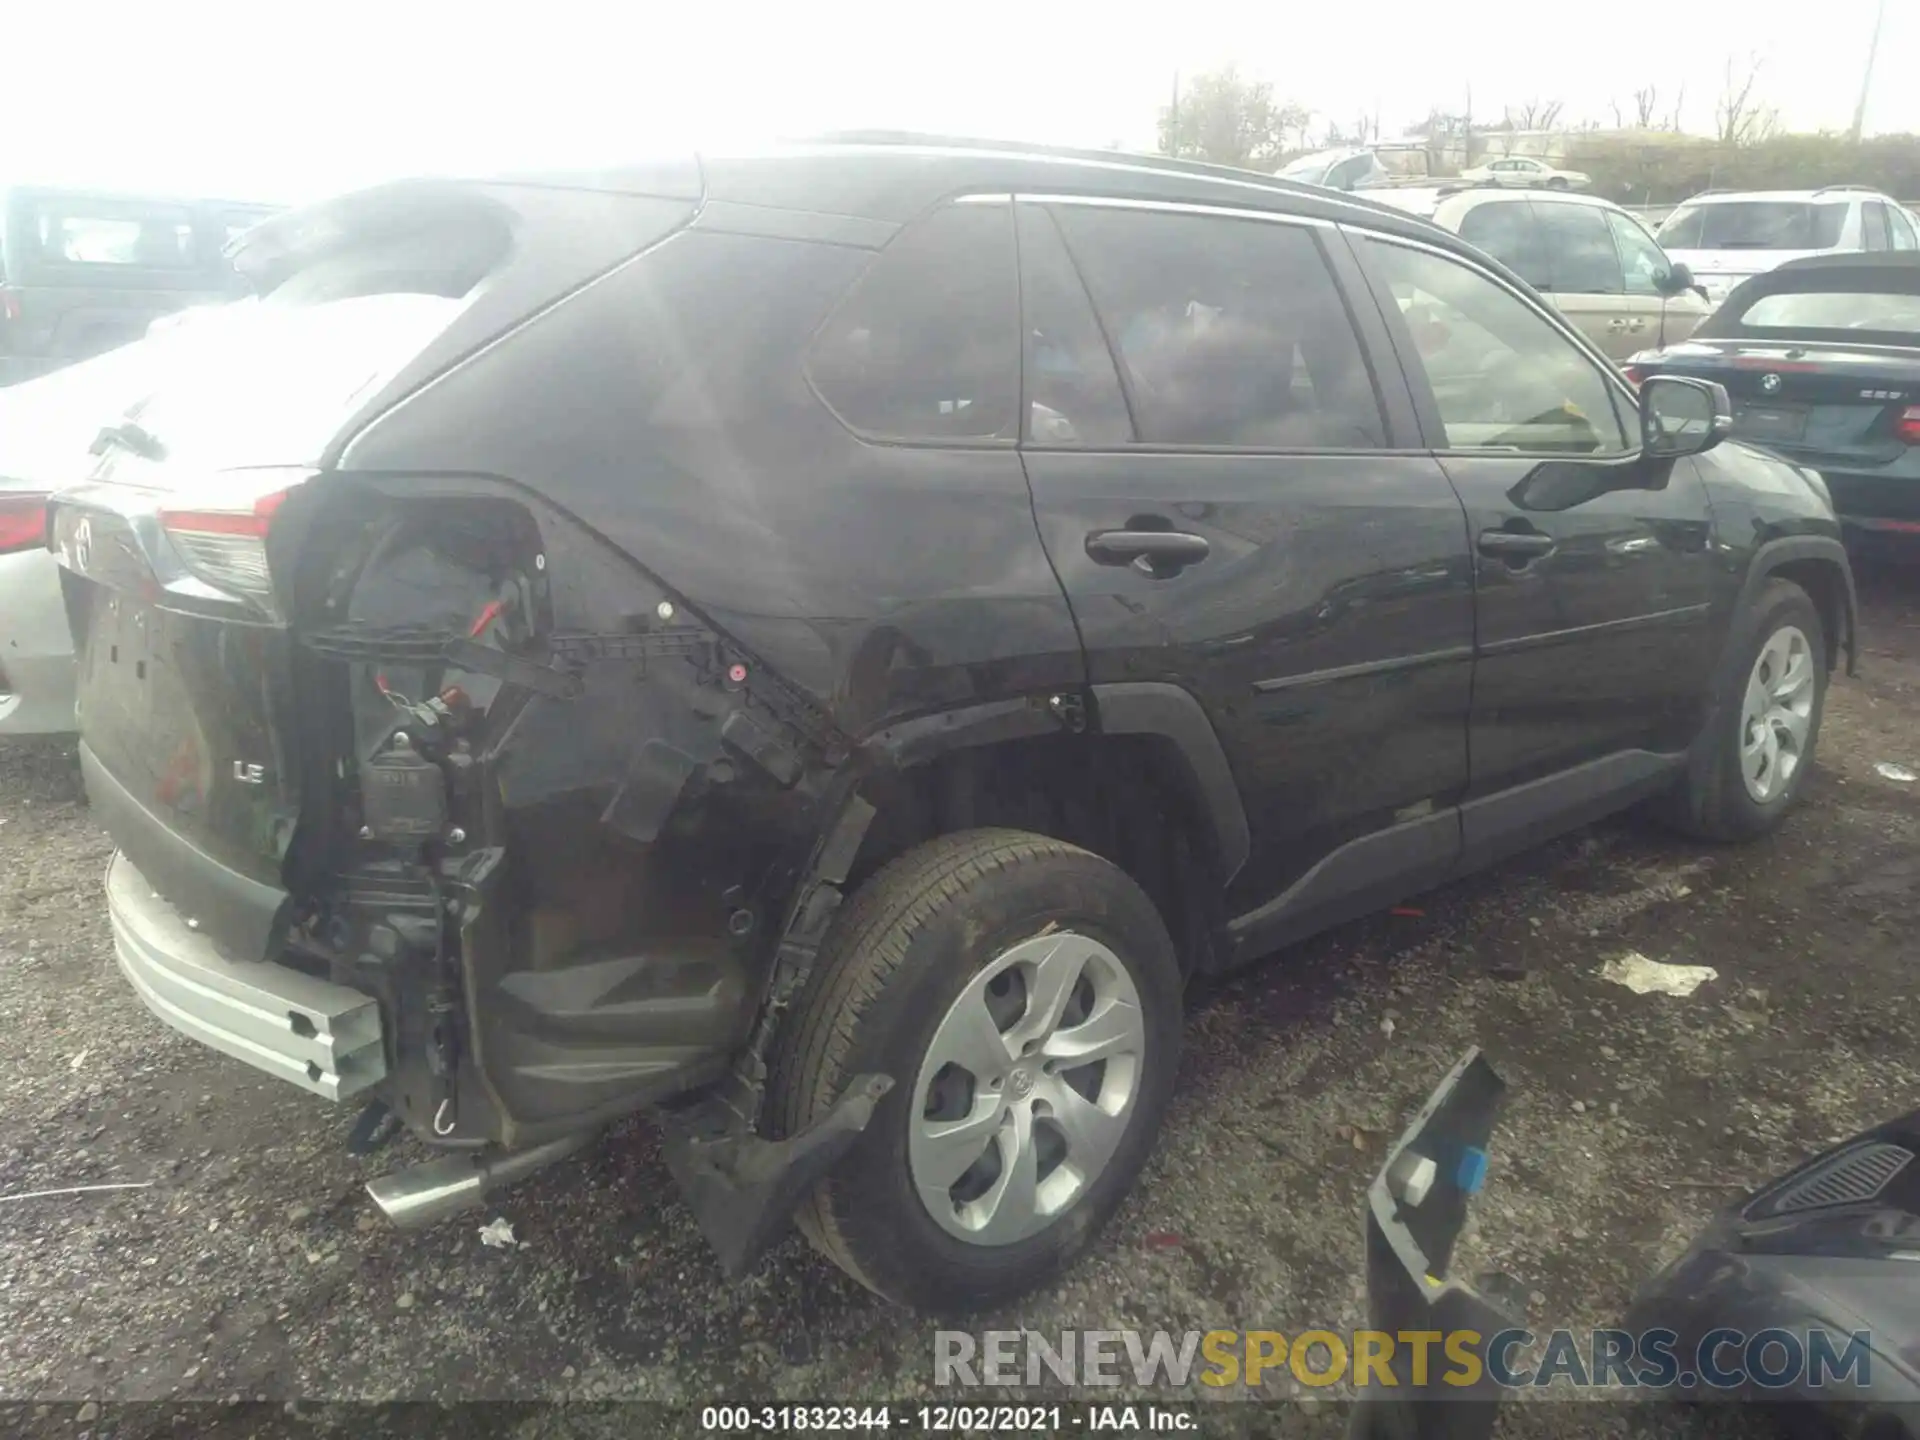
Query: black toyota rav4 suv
(822, 645)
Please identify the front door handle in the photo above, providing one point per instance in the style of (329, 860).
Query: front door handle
(1515, 545)
(1158, 553)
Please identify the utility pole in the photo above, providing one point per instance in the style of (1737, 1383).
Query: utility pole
(1866, 76)
(1173, 118)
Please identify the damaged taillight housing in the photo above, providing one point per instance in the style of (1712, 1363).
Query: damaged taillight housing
(23, 521)
(221, 535)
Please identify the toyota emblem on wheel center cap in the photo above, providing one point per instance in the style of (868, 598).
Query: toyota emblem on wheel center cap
(1769, 383)
(1020, 1084)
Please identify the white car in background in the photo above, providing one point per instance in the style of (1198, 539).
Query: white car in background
(1724, 237)
(1523, 172)
(46, 428)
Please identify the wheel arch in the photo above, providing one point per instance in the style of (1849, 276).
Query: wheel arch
(1132, 772)
(1818, 565)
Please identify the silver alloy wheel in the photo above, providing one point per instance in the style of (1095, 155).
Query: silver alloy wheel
(1776, 714)
(1027, 1088)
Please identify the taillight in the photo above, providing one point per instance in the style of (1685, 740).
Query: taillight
(1907, 427)
(1634, 373)
(23, 521)
(227, 548)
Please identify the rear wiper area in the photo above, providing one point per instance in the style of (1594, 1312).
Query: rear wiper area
(128, 435)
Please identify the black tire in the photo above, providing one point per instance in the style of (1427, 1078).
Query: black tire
(896, 958)
(1714, 803)
(1556, 182)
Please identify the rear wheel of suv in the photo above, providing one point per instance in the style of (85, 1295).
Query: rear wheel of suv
(1025, 997)
(1768, 721)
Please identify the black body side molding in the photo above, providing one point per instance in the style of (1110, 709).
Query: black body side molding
(1155, 708)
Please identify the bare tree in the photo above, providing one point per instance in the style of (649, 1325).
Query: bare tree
(1231, 121)
(1363, 130)
(1534, 115)
(1679, 104)
(1741, 116)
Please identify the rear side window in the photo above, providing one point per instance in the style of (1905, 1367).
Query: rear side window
(149, 237)
(1229, 331)
(1505, 229)
(926, 346)
(1582, 258)
(1903, 237)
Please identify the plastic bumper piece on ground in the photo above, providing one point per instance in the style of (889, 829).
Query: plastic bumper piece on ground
(323, 1037)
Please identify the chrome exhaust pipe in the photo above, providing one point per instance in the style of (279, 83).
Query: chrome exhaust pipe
(427, 1194)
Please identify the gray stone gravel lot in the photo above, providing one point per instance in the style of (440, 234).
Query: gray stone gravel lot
(252, 1266)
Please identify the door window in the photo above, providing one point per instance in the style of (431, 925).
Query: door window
(1502, 376)
(1645, 264)
(1073, 390)
(926, 346)
(1580, 254)
(1902, 227)
(1229, 331)
(1874, 215)
(1505, 229)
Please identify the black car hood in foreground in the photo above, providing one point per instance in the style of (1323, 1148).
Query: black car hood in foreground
(1833, 1245)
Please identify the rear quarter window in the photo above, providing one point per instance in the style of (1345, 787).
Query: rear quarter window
(159, 237)
(926, 346)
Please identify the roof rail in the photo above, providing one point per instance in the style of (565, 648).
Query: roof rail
(1870, 189)
(1064, 152)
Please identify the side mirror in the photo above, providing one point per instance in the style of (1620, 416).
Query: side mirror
(1680, 415)
(1677, 278)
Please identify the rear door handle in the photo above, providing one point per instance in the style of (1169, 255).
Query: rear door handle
(1515, 544)
(1158, 553)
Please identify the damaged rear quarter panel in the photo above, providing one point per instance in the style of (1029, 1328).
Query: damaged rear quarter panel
(659, 426)
(666, 408)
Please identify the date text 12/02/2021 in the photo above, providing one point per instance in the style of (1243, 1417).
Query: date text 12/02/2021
(951, 1419)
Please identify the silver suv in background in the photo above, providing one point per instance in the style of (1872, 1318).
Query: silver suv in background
(1726, 236)
(1597, 264)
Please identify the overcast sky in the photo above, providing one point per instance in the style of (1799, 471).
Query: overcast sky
(284, 102)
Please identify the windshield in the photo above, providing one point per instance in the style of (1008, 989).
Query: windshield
(1883, 311)
(1754, 225)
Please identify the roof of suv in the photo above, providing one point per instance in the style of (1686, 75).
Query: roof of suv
(889, 177)
(1827, 195)
(1480, 193)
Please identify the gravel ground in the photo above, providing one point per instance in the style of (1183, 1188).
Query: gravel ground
(252, 1266)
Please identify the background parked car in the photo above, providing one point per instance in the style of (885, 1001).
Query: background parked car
(83, 272)
(1822, 360)
(1724, 238)
(1598, 264)
(46, 427)
(1526, 173)
(1351, 168)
